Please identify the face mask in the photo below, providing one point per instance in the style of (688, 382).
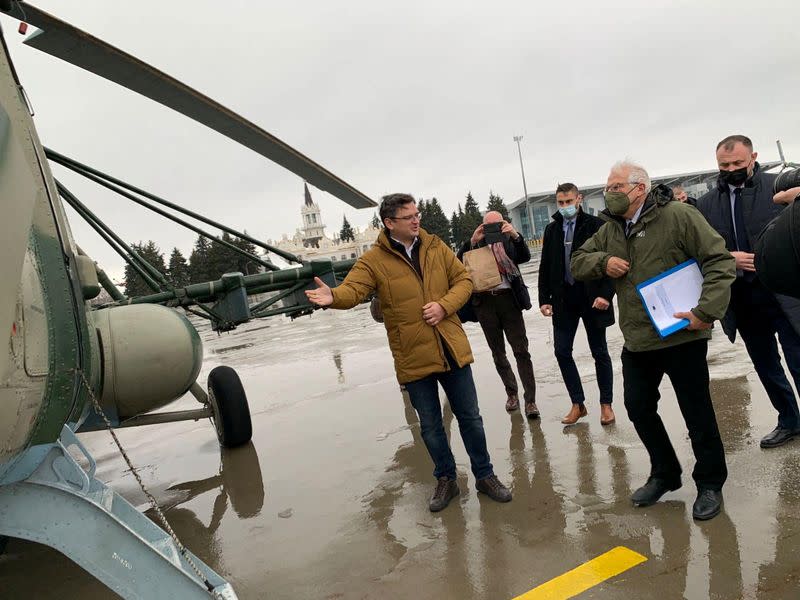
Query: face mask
(618, 203)
(734, 178)
(568, 212)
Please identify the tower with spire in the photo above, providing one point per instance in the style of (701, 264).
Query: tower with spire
(313, 229)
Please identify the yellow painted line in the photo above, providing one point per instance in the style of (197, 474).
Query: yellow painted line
(587, 575)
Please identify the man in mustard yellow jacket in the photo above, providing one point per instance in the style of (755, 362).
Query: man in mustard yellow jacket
(421, 284)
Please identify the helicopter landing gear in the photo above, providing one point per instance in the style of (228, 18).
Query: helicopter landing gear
(231, 414)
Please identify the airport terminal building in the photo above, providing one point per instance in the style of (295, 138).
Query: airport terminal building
(532, 214)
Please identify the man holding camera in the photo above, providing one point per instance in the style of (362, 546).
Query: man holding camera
(738, 209)
(499, 310)
(421, 284)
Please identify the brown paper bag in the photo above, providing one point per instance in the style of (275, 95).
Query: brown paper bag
(482, 269)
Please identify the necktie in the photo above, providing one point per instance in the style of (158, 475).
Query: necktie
(568, 252)
(628, 227)
(742, 243)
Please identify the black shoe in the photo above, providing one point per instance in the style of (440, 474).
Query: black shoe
(778, 437)
(651, 491)
(707, 505)
(492, 487)
(446, 490)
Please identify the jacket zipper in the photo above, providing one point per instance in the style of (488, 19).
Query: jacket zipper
(422, 286)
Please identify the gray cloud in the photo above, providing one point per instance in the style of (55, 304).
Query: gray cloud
(420, 97)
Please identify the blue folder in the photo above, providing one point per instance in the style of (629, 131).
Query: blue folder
(683, 323)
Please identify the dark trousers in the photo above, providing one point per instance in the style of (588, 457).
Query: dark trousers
(460, 389)
(759, 318)
(565, 326)
(687, 369)
(500, 315)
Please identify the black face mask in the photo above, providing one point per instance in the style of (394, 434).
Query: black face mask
(734, 178)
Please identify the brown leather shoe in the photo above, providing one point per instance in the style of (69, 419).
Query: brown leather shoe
(576, 412)
(607, 414)
(531, 411)
(512, 403)
(492, 487)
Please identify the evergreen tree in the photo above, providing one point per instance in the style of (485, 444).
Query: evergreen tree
(376, 222)
(422, 209)
(199, 267)
(222, 259)
(435, 221)
(496, 203)
(346, 234)
(245, 265)
(472, 218)
(134, 284)
(178, 269)
(456, 230)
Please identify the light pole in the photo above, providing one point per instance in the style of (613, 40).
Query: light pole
(518, 139)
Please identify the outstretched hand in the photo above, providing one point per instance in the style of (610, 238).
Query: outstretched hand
(322, 296)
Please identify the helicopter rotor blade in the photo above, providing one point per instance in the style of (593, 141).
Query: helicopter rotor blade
(64, 41)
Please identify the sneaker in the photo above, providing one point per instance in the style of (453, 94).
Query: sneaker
(512, 403)
(446, 490)
(492, 487)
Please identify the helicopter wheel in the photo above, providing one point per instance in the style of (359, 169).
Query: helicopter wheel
(231, 414)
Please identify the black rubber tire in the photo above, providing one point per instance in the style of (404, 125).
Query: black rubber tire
(229, 405)
(3, 542)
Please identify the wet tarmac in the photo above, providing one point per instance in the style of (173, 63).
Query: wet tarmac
(329, 500)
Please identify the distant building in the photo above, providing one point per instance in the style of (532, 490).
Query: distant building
(532, 216)
(309, 242)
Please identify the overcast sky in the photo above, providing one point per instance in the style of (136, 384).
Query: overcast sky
(421, 97)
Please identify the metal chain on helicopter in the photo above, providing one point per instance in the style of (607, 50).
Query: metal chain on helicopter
(151, 499)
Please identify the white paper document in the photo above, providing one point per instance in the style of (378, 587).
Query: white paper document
(673, 291)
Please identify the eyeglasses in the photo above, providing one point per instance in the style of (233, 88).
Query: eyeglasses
(617, 187)
(409, 218)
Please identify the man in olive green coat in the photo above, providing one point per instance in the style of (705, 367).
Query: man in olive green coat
(646, 234)
(421, 285)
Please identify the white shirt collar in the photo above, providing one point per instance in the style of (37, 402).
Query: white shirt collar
(635, 218)
(408, 248)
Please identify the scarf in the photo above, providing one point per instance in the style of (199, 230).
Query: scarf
(505, 265)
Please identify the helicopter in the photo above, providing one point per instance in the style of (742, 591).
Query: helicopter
(70, 366)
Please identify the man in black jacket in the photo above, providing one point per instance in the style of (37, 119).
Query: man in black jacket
(739, 208)
(499, 312)
(568, 301)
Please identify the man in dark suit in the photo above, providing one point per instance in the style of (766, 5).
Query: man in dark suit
(569, 301)
(499, 311)
(739, 208)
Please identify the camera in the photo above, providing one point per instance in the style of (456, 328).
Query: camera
(492, 232)
(786, 180)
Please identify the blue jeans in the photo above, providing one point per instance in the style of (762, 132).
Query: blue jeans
(460, 389)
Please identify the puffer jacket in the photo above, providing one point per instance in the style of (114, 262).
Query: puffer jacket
(666, 234)
(416, 346)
